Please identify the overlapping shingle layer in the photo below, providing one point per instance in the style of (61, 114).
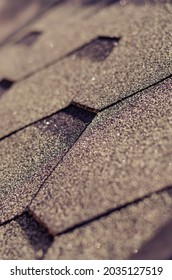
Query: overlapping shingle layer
(123, 155)
(30, 155)
(85, 133)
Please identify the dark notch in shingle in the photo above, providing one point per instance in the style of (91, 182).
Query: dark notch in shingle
(5, 85)
(36, 234)
(35, 153)
(170, 190)
(29, 39)
(102, 2)
(98, 49)
(68, 117)
(122, 2)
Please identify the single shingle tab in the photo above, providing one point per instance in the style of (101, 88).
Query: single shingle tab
(124, 154)
(117, 235)
(29, 156)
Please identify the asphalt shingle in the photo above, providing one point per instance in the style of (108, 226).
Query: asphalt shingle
(135, 63)
(93, 188)
(59, 29)
(116, 236)
(16, 14)
(124, 154)
(142, 58)
(29, 156)
(42, 94)
(23, 238)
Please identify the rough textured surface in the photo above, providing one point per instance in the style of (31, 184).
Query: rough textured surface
(126, 149)
(29, 156)
(143, 56)
(41, 95)
(116, 236)
(94, 190)
(23, 238)
(136, 63)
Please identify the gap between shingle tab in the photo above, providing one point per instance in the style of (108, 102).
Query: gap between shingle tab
(84, 107)
(97, 49)
(5, 85)
(55, 135)
(101, 2)
(29, 39)
(89, 114)
(100, 216)
(32, 230)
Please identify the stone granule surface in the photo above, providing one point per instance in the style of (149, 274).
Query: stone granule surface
(23, 238)
(29, 156)
(85, 130)
(126, 148)
(140, 57)
(126, 231)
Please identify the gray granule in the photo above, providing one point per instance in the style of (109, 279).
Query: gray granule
(116, 236)
(29, 156)
(124, 154)
(23, 238)
(141, 58)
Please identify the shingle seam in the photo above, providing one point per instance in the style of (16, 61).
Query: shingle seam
(17, 217)
(91, 109)
(25, 212)
(136, 92)
(39, 69)
(14, 218)
(101, 215)
(86, 108)
(27, 208)
(44, 118)
(39, 14)
(59, 59)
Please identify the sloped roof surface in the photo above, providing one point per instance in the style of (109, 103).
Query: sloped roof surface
(85, 132)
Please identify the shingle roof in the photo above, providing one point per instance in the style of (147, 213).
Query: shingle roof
(30, 155)
(85, 133)
(116, 235)
(123, 155)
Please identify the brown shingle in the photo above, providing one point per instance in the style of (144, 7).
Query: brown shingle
(23, 238)
(135, 63)
(29, 156)
(60, 28)
(117, 235)
(124, 154)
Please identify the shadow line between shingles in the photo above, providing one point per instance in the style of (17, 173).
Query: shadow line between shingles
(104, 214)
